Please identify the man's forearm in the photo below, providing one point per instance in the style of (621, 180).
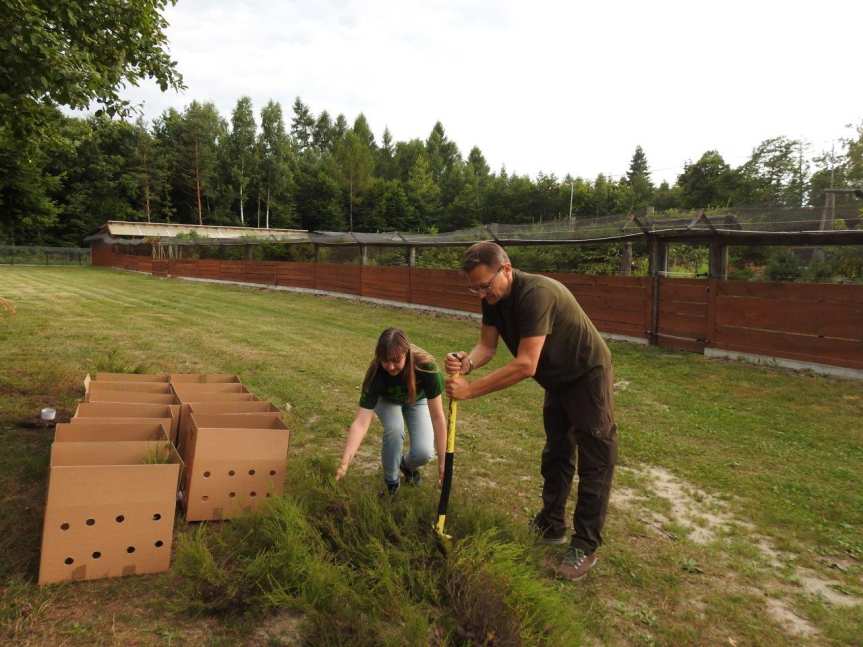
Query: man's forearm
(481, 355)
(511, 373)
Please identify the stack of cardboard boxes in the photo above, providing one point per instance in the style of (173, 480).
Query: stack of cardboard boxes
(135, 439)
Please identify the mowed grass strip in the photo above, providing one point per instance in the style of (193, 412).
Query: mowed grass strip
(784, 450)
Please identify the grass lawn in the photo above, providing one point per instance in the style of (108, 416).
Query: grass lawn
(736, 518)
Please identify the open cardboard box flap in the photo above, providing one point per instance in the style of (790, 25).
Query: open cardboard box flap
(129, 377)
(217, 406)
(271, 420)
(93, 386)
(202, 378)
(84, 431)
(131, 410)
(131, 396)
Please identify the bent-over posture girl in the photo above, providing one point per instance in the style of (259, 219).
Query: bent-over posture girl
(402, 386)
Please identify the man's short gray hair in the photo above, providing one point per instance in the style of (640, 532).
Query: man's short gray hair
(486, 253)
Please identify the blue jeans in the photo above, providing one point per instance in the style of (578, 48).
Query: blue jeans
(393, 417)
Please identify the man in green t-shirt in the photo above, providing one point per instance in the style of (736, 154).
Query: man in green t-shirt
(553, 341)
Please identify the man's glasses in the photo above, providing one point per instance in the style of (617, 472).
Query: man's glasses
(484, 287)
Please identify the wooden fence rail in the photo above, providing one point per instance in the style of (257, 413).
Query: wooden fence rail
(821, 324)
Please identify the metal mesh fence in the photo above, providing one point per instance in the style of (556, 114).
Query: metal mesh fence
(25, 255)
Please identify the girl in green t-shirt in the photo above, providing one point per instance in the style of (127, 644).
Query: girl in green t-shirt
(403, 387)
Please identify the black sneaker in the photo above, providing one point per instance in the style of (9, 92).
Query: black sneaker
(390, 489)
(412, 477)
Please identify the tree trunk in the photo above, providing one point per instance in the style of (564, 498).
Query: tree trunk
(147, 200)
(259, 207)
(198, 186)
(268, 207)
(242, 218)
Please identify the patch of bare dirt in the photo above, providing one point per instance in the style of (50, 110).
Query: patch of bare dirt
(707, 518)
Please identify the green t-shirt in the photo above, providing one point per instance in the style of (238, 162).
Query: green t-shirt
(539, 305)
(429, 384)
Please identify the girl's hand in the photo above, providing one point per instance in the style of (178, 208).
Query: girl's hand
(343, 469)
(440, 470)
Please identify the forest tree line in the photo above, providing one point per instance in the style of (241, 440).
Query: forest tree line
(317, 172)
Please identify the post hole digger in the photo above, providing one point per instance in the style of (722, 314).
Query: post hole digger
(444, 540)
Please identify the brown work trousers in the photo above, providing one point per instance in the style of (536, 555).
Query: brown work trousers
(579, 424)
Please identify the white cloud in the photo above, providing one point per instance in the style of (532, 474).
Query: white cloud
(538, 86)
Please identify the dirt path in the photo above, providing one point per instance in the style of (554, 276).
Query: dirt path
(708, 519)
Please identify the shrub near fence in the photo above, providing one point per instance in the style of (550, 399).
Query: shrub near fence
(821, 324)
(16, 255)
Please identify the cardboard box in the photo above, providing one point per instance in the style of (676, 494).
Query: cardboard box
(108, 513)
(214, 407)
(84, 431)
(131, 410)
(198, 392)
(130, 397)
(92, 386)
(130, 377)
(201, 378)
(239, 460)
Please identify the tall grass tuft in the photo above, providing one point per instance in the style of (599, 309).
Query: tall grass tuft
(366, 570)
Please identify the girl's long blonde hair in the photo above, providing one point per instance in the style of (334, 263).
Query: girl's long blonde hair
(392, 344)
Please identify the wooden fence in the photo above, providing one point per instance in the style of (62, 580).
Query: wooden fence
(821, 324)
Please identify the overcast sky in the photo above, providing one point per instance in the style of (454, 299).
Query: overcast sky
(558, 87)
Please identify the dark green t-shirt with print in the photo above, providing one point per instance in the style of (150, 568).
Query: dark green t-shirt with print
(539, 305)
(394, 388)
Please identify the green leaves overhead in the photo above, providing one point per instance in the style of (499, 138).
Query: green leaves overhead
(74, 53)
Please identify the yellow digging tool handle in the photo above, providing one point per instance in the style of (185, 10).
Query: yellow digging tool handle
(446, 485)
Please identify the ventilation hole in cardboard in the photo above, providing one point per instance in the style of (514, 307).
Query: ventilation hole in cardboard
(130, 549)
(269, 495)
(157, 516)
(251, 472)
(232, 494)
(272, 472)
(205, 498)
(160, 543)
(120, 518)
(231, 473)
(97, 555)
(64, 526)
(253, 494)
(206, 475)
(68, 561)
(91, 522)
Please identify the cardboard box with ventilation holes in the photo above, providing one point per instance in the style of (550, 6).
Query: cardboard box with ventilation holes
(235, 461)
(109, 511)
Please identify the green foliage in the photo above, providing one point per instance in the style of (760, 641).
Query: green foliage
(368, 571)
(72, 53)
(158, 454)
(784, 265)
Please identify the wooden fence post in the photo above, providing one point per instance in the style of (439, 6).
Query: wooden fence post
(718, 260)
(658, 262)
